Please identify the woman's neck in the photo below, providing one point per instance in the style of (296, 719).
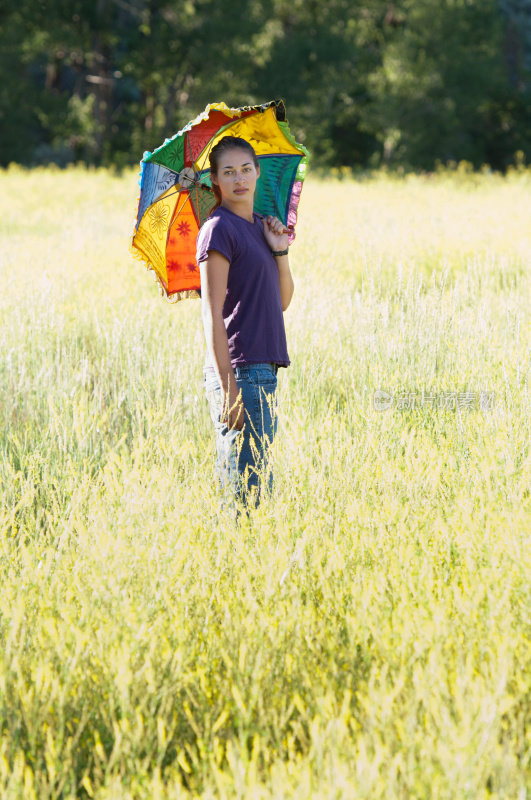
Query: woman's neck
(243, 210)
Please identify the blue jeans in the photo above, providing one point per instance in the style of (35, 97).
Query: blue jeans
(242, 462)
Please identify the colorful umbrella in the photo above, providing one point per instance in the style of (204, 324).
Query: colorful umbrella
(176, 195)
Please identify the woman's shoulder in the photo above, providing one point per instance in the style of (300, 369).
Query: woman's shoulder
(213, 222)
(212, 217)
(217, 233)
(218, 219)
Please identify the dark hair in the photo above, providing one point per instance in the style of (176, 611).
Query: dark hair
(223, 146)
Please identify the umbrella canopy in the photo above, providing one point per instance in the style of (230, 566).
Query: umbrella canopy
(176, 194)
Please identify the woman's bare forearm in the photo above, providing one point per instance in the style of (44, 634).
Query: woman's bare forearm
(218, 347)
(285, 280)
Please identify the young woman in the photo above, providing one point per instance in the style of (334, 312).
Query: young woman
(246, 285)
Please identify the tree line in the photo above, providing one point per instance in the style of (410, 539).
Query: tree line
(365, 82)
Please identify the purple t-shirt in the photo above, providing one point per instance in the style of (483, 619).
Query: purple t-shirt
(252, 311)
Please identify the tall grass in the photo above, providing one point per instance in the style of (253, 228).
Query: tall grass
(367, 632)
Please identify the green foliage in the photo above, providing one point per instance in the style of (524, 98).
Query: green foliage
(365, 83)
(441, 90)
(20, 130)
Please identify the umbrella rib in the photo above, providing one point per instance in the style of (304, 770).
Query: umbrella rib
(210, 145)
(158, 199)
(178, 211)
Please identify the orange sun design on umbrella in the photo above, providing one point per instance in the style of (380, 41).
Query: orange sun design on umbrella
(184, 228)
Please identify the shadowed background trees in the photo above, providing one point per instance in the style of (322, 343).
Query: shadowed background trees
(365, 82)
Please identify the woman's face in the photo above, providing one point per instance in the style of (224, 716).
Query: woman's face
(236, 176)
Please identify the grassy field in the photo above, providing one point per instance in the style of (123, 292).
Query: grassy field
(365, 634)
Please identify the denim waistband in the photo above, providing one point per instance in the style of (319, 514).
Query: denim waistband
(245, 369)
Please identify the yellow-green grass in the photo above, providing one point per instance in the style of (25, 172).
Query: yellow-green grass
(367, 632)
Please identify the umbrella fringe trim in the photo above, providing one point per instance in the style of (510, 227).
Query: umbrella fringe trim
(175, 297)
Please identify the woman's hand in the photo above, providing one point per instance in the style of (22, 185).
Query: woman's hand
(233, 413)
(276, 234)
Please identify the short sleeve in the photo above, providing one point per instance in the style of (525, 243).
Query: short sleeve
(215, 234)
